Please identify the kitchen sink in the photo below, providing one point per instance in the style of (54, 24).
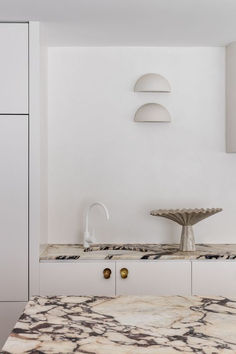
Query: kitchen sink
(109, 252)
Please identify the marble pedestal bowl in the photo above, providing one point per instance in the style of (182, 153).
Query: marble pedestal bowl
(186, 218)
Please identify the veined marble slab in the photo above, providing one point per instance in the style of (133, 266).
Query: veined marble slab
(126, 324)
(137, 251)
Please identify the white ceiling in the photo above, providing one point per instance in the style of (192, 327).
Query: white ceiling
(129, 22)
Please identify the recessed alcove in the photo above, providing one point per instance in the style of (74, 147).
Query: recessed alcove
(93, 149)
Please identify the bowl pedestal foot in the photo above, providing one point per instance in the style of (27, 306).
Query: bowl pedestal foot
(187, 242)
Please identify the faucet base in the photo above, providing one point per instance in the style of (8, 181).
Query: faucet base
(86, 244)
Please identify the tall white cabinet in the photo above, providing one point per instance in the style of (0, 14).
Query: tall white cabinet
(14, 68)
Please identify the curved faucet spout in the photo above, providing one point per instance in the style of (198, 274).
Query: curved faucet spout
(87, 237)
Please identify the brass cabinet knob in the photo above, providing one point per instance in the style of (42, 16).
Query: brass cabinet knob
(124, 273)
(107, 273)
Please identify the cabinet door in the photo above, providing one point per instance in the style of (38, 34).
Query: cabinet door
(9, 314)
(214, 278)
(154, 278)
(13, 208)
(77, 278)
(14, 68)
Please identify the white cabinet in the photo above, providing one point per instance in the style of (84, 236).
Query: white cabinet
(14, 174)
(144, 278)
(77, 278)
(167, 277)
(9, 314)
(154, 278)
(13, 208)
(14, 68)
(214, 278)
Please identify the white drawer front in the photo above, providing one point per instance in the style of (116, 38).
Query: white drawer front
(154, 278)
(214, 278)
(78, 278)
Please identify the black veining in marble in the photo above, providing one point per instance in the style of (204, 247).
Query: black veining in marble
(128, 324)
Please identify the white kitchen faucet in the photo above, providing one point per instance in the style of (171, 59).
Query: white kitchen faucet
(89, 238)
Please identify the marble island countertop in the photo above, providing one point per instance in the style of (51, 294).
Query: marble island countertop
(125, 324)
(137, 251)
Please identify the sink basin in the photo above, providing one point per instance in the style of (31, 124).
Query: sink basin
(109, 252)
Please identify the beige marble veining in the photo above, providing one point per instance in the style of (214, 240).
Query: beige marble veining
(137, 251)
(125, 324)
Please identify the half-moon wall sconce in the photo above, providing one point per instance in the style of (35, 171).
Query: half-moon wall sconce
(152, 83)
(152, 112)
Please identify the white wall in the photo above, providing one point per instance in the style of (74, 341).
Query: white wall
(97, 152)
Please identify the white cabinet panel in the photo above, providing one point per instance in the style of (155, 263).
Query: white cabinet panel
(214, 278)
(154, 278)
(13, 208)
(78, 278)
(13, 68)
(9, 314)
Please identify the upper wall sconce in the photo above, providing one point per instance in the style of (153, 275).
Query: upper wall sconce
(152, 112)
(152, 83)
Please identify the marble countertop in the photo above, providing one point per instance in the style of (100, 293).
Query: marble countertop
(125, 324)
(137, 251)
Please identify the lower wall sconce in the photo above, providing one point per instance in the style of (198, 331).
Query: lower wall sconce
(152, 112)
